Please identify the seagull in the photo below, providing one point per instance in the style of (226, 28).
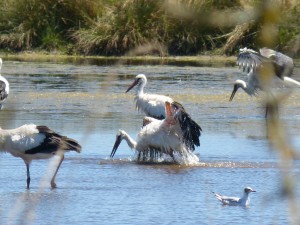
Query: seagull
(30, 142)
(4, 88)
(156, 138)
(153, 105)
(235, 201)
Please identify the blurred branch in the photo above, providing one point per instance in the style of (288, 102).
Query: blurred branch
(268, 36)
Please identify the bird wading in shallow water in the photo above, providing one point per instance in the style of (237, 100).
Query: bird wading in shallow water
(156, 138)
(256, 64)
(4, 88)
(31, 142)
(153, 105)
(235, 201)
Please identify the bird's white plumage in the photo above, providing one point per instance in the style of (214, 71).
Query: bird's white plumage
(17, 141)
(158, 136)
(236, 201)
(151, 104)
(155, 135)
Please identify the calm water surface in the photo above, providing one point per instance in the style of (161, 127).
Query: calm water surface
(88, 103)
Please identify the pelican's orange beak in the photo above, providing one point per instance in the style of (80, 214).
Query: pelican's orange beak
(169, 114)
(168, 109)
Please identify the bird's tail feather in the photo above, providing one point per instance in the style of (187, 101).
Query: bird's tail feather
(218, 196)
(71, 144)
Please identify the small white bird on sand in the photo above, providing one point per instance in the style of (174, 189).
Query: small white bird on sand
(235, 201)
(4, 87)
(30, 142)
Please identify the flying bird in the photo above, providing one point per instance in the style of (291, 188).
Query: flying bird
(4, 88)
(259, 66)
(30, 142)
(156, 138)
(256, 63)
(235, 201)
(153, 105)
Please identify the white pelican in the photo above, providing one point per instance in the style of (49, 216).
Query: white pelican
(30, 142)
(156, 138)
(4, 87)
(153, 105)
(235, 201)
(252, 62)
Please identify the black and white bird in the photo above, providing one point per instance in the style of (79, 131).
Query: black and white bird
(256, 63)
(30, 142)
(4, 88)
(156, 138)
(153, 105)
(235, 201)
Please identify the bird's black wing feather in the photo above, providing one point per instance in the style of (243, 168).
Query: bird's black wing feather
(3, 93)
(190, 129)
(54, 142)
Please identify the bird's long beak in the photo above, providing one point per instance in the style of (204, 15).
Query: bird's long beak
(116, 145)
(135, 82)
(253, 191)
(235, 88)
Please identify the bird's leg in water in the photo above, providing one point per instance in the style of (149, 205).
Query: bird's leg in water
(28, 175)
(172, 155)
(53, 185)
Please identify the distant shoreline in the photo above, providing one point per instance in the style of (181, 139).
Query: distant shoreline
(199, 60)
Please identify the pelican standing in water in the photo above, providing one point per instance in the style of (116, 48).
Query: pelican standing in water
(156, 138)
(31, 142)
(153, 105)
(4, 87)
(235, 201)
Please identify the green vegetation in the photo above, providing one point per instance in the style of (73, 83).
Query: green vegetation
(139, 27)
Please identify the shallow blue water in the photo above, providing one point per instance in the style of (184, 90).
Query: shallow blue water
(88, 103)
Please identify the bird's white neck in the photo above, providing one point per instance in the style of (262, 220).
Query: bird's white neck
(140, 89)
(131, 143)
(245, 86)
(245, 199)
